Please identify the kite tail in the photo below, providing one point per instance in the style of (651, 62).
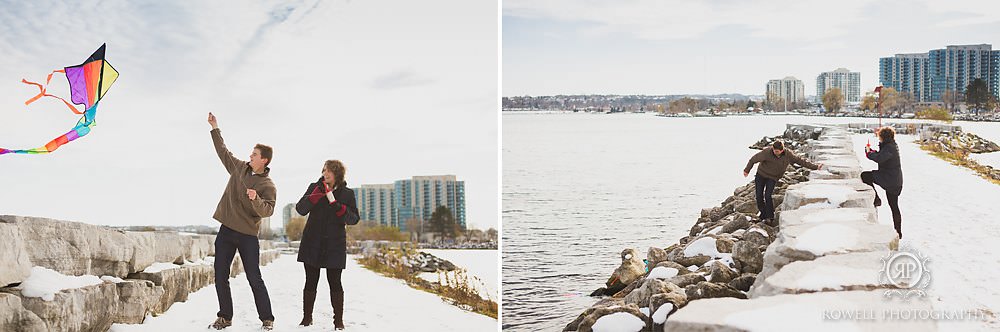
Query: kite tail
(42, 90)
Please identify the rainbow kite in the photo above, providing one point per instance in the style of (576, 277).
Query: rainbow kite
(88, 82)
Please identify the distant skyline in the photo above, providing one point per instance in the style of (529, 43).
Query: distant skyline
(678, 47)
(391, 88)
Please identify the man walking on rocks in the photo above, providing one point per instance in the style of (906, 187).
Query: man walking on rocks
(249, 196)
(774, 160)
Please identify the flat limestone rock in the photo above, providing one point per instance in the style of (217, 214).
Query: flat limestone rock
(809, 241)
(827, 311)
(14, 317)
(815, 216)
(828, 194)
(853, 271)
(15, 264)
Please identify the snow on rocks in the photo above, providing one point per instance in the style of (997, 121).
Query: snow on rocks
(853, 271)
(77, 303)
(45, 283)
(619, 322)
(661, 272)
(661, 313)
(809, 241)
(817, 216)
(798, 312)
(827, 240)
(52, 268)
(832, 193)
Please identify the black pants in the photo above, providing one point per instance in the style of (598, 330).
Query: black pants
(764, 188)
(226, 244)
(332, 277)
(892, 195)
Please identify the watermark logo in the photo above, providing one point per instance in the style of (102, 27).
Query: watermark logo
(905, 269)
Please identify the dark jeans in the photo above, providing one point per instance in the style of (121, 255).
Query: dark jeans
(892, 195)
(332, 277)
(764, 188)
(226, 244)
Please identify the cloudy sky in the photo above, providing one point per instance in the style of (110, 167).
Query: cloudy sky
(392, 88)
(720, 46)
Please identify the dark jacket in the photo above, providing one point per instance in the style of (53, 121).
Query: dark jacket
(324, 239)
(773, 167)
(235, 209)
(890, 173)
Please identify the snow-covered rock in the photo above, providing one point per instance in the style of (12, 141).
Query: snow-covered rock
(828, 194)
(805, 242)
(816, 216)
(854, 271)
(619, 322)
(89, 308)
(799, 312)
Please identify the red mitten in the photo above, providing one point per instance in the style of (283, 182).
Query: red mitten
(315, 195)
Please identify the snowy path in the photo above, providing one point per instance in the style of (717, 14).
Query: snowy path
(953, 216)
(372, 303)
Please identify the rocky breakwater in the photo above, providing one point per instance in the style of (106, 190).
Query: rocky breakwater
(826, 257)
(720, 257)
(69, 276)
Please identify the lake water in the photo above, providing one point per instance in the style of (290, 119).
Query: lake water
(579, 188)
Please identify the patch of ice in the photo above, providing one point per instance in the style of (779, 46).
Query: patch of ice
(644, 311)
(619, 322)
(786, 317)
(693, 268)
(826, 238)
(112, 279)
(703, 246)
(45, 283)
(714, 230)
(660, 315)
(662, 272)
(157, 267)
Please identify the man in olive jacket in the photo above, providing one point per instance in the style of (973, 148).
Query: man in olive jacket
(773, 161)
(249, 196)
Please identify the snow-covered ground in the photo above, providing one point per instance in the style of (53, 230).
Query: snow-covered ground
(951, 215)
(479, 264)
(372, 303)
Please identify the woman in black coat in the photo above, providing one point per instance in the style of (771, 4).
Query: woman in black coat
(330, 206)
(889, 175)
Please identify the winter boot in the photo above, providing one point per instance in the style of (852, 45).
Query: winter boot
(308, 299)
(221, 323)
(337, 299)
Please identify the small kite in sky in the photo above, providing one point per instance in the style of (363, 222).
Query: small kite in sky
(88, 82)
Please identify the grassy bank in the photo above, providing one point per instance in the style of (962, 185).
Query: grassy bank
(456, 289)
(960, 157)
